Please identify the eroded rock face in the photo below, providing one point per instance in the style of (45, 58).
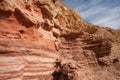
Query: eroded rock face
(27, 51)
(89, 55)
(45, 40)
(24, 53)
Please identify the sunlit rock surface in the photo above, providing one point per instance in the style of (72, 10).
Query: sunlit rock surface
(46, 40)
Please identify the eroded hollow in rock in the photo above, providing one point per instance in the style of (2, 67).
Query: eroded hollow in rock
(5, 14)
(64, 72)
(21, 31)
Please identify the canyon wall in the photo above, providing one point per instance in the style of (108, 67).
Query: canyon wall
(46, 40)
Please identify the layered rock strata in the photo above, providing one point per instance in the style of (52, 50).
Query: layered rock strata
(45, 40)
(84, 54)
(24, 53)
(27, 50)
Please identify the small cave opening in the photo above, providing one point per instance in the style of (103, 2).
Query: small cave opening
(63, 72)
(58, 73)
(21, 31)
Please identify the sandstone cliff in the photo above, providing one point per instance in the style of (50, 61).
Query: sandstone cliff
(46, 40)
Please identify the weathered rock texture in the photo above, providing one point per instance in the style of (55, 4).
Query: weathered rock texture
(45, 40)
(89, 56)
